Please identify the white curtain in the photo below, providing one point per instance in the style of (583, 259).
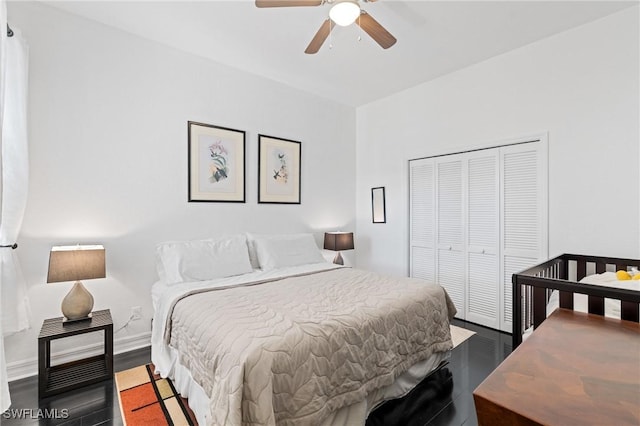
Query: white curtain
(14, 163)
(5, 398)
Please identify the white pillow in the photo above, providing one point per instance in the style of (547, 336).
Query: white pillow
(203, 260)
(251, 243)
(253, 256)
(286, 250)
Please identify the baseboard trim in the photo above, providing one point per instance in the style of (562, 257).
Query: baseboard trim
(29, 367)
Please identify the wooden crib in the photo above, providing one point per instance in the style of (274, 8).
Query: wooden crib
(532, 289)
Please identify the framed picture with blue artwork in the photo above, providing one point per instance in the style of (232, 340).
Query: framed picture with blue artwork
(216, 164)
(278, 170)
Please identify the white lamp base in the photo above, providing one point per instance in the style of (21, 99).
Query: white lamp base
(338, 259)
(77, 304)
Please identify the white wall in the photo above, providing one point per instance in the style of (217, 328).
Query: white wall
(108, 116)
(580, 86)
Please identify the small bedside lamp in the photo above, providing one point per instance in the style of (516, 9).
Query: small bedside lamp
(338, 241)
(75, 263)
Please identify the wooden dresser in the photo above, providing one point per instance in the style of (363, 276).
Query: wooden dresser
(575, 369)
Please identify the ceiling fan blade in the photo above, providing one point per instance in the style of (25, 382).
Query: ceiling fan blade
(375, 30)
(320, 37)
(287, 3)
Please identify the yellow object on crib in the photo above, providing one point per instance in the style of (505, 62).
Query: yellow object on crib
(623, 275)
(636, 277)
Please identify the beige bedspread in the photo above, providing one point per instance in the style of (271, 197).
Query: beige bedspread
(291, 351)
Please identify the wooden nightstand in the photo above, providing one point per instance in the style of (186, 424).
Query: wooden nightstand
(56, 379)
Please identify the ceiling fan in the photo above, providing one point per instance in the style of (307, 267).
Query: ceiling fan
(343, 13)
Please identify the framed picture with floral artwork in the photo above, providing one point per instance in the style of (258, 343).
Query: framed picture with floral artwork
(278, 170)
(216, 164)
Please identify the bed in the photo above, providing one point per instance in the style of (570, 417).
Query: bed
(261, 330)
(573, 282)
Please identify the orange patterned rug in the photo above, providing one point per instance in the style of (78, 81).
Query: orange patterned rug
(147, 399)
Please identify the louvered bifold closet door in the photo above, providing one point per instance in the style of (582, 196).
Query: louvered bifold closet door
(422, 219)
(451, 271)
(524, 215)
(483, 238)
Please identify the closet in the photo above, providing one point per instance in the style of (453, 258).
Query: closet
(475, 218)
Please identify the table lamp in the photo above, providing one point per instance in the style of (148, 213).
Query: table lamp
(338, 241)
(75, 263)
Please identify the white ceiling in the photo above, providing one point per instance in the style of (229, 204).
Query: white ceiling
(434, 38)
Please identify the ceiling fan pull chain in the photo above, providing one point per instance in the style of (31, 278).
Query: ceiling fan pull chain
(330, 35)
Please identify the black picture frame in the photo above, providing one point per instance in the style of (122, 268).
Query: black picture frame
(378, 206)
(279, 170)
(216, 164)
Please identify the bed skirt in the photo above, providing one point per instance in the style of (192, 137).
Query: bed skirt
(168, 365)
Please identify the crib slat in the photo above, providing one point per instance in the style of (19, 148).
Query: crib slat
(539, 306)
(564, 270)
(621, 267)
(581, 269)
(630, 311)
(528, 306)
(601, 267)
(596, 305)
(517, 312)
(566, 300)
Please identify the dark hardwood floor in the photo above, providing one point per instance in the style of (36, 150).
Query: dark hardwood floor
(445, 398)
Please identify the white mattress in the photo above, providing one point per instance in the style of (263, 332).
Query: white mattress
(167, 363)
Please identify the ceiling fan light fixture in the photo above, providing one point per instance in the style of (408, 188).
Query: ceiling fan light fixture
(344, 13)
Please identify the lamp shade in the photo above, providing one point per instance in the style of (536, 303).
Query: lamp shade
(338, 241)
(75, 263)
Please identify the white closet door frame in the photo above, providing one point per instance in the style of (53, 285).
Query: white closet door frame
(433, 260)
(542, 250)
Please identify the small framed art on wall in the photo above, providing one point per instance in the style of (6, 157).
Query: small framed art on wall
(216, 163)
(278, 170)
(378, 209)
